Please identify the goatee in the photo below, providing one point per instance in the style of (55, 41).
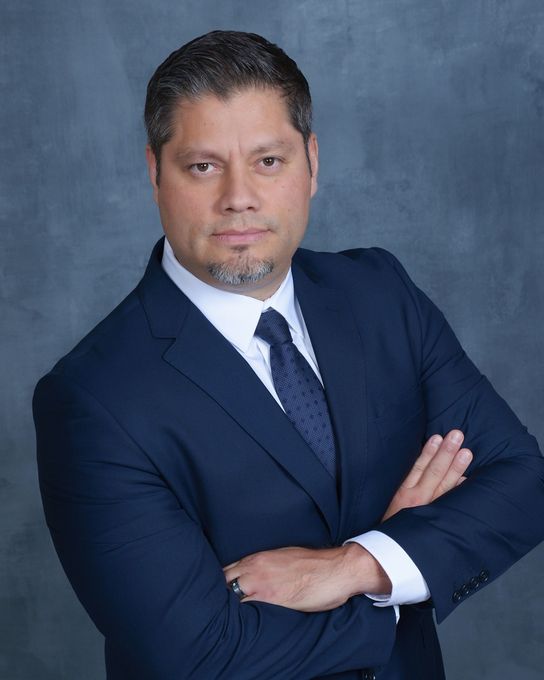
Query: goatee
(242, 272)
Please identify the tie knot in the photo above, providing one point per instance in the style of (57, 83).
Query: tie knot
(273, 328)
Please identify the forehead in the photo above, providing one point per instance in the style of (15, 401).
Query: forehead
(247, 112)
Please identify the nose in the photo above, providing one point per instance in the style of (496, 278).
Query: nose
(239, 192)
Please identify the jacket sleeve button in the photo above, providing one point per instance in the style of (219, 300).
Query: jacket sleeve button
(474, 583)
(456, 597)
(483, 576)
(465, 590)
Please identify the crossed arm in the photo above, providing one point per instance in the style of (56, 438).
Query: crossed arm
(318, 580)
(151, 581)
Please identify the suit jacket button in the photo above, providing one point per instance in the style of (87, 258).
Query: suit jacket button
(474, 583)
(465, 590)
(457, 597)
(483, 576)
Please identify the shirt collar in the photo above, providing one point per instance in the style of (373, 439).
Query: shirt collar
(234, 315)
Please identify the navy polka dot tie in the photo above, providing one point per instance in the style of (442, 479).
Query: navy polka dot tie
(298, 388)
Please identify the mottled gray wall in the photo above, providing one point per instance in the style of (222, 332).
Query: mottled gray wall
(430, 116)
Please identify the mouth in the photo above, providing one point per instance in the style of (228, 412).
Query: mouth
(241, 236)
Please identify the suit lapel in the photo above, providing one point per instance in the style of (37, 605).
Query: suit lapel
(203, 355)
(338, 347)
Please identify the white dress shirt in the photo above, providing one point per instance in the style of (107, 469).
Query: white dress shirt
(236, 316)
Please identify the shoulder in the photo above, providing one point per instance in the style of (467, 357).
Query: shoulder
(112, 342)
(374, 283)
(124, 338)
(372, 267)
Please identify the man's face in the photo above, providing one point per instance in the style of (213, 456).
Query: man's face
(234, 189)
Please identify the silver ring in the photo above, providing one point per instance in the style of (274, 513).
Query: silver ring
(236, 589)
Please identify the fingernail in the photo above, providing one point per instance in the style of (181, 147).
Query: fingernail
(436, 440)
(465, 456)
(457, 436)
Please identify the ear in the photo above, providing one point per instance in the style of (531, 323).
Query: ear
(313, 154)
(152, 170)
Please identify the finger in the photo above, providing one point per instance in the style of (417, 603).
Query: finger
(436, 470)
(245, 581)
(248, 598)
(461, 480)
(231, 573)
(244, 585)
(231, 565)
(427, 454)
(455, 472)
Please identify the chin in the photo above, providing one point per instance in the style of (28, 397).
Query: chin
(241, 271)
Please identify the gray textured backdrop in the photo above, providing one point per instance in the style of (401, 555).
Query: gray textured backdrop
(431, 118)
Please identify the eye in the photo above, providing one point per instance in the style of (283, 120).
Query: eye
(201, 168)
(269, 161)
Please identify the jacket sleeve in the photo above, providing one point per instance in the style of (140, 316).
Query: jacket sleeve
(149, 579)
(468, 537)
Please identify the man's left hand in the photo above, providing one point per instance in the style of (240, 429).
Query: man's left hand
(317, 580)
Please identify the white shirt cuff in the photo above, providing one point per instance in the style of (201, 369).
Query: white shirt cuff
(409, 586)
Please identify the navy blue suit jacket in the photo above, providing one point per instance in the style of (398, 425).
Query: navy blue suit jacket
(162, 458)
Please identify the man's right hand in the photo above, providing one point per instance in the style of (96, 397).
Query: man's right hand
(439, 468)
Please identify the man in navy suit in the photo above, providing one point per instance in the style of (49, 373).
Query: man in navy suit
(208, 526)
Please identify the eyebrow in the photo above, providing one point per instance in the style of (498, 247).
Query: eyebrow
(190, 153)
(273, 145)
